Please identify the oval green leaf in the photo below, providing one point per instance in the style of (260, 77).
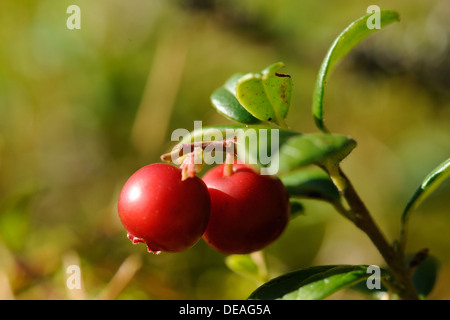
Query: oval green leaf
(266, 95)
(313, 283)
(209, 133)
(257, 145)
(315, 148)
(431, 182)
(425, 276)
(374, 293)
(347, 40)
(311, 183)
(261, 145)
(224, 101)
(277, 150)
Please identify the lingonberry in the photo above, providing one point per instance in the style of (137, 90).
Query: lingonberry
(159, 209)
(248, 210)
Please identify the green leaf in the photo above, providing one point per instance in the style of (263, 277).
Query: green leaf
(315, 148)
(431, 182)
(266, 95)
(273, 148)
(312, 283)
(313, 183)
(376, 294)
(346, 41)
(425, 276)
(262, 146)
(224, 101)
(257, 145)
(207, 133)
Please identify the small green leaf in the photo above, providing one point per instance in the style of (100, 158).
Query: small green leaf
(261, 145)
(278, 88)
(258, 145)
(224, 101)
(315, 148)
(431, 182)
(312, 283)
(425, 276)
(313, 183)
(207, 133)
(376, 294)
(276, 149)
(346, 41)
(266, 95)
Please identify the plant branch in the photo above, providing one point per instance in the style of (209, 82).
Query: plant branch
(361, 217)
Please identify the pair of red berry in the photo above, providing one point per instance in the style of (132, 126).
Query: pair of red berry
(235, 213)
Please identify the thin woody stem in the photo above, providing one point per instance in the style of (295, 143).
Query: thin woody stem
(361, 217)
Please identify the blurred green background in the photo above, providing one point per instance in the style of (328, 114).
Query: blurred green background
(81, 110)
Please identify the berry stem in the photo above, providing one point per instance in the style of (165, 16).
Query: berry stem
(228, 168)
(226, 145)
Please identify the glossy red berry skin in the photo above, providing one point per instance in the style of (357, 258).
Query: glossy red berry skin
(248, 210)
(159, 209)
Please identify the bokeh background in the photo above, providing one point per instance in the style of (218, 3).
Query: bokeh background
(81, 110)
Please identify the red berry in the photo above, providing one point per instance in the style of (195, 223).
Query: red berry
(157, 208)
(248, 210)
